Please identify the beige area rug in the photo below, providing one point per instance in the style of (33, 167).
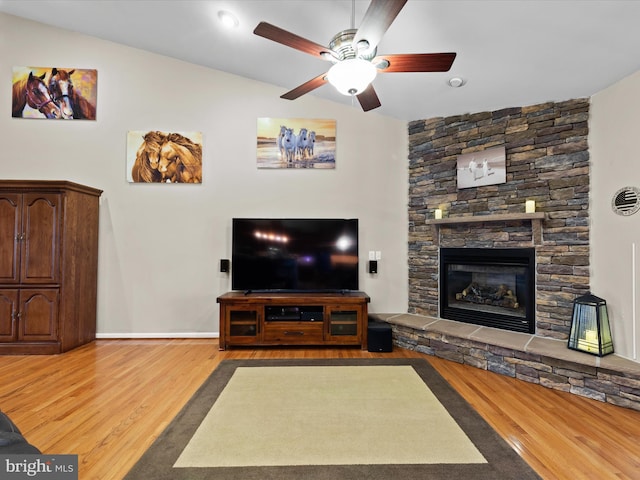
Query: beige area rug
(327, 420)
(327, 415)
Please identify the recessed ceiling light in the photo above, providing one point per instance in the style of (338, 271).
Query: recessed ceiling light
(228, 19)
(456, 82)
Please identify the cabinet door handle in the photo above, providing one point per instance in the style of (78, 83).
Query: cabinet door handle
(295, 332)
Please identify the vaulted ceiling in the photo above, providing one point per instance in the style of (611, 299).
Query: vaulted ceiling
(509, 53)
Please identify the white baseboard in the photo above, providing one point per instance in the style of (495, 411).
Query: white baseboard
(158, 335)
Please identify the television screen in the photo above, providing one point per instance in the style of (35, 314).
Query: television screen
(294, 254)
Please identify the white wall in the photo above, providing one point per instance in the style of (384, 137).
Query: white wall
(615, 163)
(160, 245)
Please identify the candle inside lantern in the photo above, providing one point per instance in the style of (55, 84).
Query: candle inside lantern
(590, 341)
(591, 336)
(437, 214)
(530, 206)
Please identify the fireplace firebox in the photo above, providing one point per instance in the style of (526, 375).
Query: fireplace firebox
(493, 287)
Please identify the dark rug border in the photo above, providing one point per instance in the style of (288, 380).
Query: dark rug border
(503, 462)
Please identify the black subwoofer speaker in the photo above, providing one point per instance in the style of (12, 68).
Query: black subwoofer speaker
(379, 337)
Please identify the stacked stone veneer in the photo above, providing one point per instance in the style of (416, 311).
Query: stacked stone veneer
(546, 362)
(547, 160)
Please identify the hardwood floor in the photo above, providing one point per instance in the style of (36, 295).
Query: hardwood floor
(108, 401)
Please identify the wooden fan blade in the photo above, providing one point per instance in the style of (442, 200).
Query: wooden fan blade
(306, 87)
(379, 17)
(277, 34)
(369, 99)
(416, 62)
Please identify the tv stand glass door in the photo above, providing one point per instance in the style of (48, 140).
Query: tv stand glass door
(342, 323)
(243, 325)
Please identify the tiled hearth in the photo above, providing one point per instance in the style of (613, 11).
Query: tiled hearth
(527, 357)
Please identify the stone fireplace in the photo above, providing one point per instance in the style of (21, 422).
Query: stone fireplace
(547, 160)
(489, 287)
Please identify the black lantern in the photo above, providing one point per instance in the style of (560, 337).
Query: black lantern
(590, 330)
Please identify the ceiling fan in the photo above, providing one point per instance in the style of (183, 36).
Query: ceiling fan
(353, 53)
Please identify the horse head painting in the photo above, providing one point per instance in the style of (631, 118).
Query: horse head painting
(65, 99)
(184, 157)
(165, 157)
(70, 101)
(145, 167)
(31, 93)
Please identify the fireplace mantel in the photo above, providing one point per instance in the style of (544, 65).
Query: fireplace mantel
(535, 218)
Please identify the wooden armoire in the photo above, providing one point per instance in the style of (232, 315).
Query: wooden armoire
(48, 265)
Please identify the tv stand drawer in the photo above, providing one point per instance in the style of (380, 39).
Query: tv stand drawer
(293, 332)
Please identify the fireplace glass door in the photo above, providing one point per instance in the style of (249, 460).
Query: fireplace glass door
(490, 287)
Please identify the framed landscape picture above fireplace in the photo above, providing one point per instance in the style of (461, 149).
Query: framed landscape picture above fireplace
(485, 167)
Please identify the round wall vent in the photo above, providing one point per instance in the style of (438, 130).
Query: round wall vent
(626, 201)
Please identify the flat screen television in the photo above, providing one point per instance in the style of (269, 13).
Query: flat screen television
(294, 254)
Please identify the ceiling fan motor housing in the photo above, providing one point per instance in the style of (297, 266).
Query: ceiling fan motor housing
(342, 45)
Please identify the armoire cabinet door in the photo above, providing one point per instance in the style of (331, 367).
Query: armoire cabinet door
(10, 216)
(41, 227)
(8, 310)
(38, 315)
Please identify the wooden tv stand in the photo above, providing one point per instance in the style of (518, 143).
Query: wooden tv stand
(262, 319)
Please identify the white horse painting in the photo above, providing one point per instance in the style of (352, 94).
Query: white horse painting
(485, 167)
(312, 147)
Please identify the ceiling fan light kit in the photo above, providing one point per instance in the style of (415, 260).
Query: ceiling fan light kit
(354, 55)
(351, 76)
